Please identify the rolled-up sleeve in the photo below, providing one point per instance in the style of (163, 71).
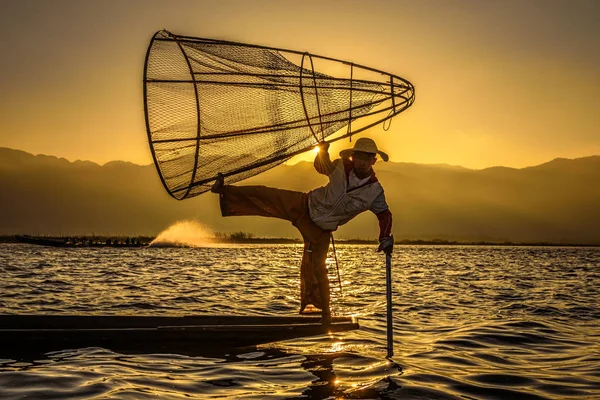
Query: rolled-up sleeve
(380, 208)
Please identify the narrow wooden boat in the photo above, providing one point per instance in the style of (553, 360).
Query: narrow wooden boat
(54, 242)
(75, 242)
(203, 334)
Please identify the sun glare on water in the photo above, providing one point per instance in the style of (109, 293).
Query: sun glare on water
(184, 234)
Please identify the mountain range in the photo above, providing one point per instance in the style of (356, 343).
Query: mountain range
(557, 202)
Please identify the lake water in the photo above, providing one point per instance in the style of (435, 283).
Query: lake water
(470, 322)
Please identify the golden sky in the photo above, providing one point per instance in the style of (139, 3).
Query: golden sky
(511, 82)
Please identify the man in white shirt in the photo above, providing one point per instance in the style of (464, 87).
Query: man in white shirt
(352, 189)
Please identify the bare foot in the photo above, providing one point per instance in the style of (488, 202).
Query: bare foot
(219, 184)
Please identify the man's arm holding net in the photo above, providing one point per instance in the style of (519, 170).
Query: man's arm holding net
(323, 163)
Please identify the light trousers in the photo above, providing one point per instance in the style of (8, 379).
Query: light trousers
(291, 206)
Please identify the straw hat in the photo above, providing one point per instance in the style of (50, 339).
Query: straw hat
(364, 145)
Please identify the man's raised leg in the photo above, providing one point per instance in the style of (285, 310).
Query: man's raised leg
(262, 201)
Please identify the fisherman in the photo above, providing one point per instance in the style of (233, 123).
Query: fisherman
(352, 189)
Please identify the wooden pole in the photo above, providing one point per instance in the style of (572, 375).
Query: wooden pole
(337, 268)
(390, 325)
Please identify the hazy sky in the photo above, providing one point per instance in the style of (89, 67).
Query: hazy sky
(512, 83)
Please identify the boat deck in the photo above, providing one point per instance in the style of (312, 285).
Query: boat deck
(186, 334)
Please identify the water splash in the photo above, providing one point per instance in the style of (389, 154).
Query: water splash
(184, 234)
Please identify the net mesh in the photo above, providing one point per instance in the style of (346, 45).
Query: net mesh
(224, 107)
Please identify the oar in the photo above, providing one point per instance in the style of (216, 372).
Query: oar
(390, 326)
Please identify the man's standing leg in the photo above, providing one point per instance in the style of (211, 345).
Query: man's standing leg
(314, 285)
(319, 257)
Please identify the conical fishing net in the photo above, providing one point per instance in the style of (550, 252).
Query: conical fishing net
(224, 107)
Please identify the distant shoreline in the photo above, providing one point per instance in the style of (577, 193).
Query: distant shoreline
(249, 239)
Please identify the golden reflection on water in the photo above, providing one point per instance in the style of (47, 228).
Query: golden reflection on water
(336, 347)
(468, 321)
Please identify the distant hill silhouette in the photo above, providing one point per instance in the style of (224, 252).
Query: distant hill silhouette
(558, 201)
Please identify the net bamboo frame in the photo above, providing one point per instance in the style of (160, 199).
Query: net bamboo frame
(215, 106)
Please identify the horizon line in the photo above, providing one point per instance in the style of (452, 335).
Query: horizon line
(304, 161)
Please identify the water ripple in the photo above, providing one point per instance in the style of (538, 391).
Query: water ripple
(470, 322)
